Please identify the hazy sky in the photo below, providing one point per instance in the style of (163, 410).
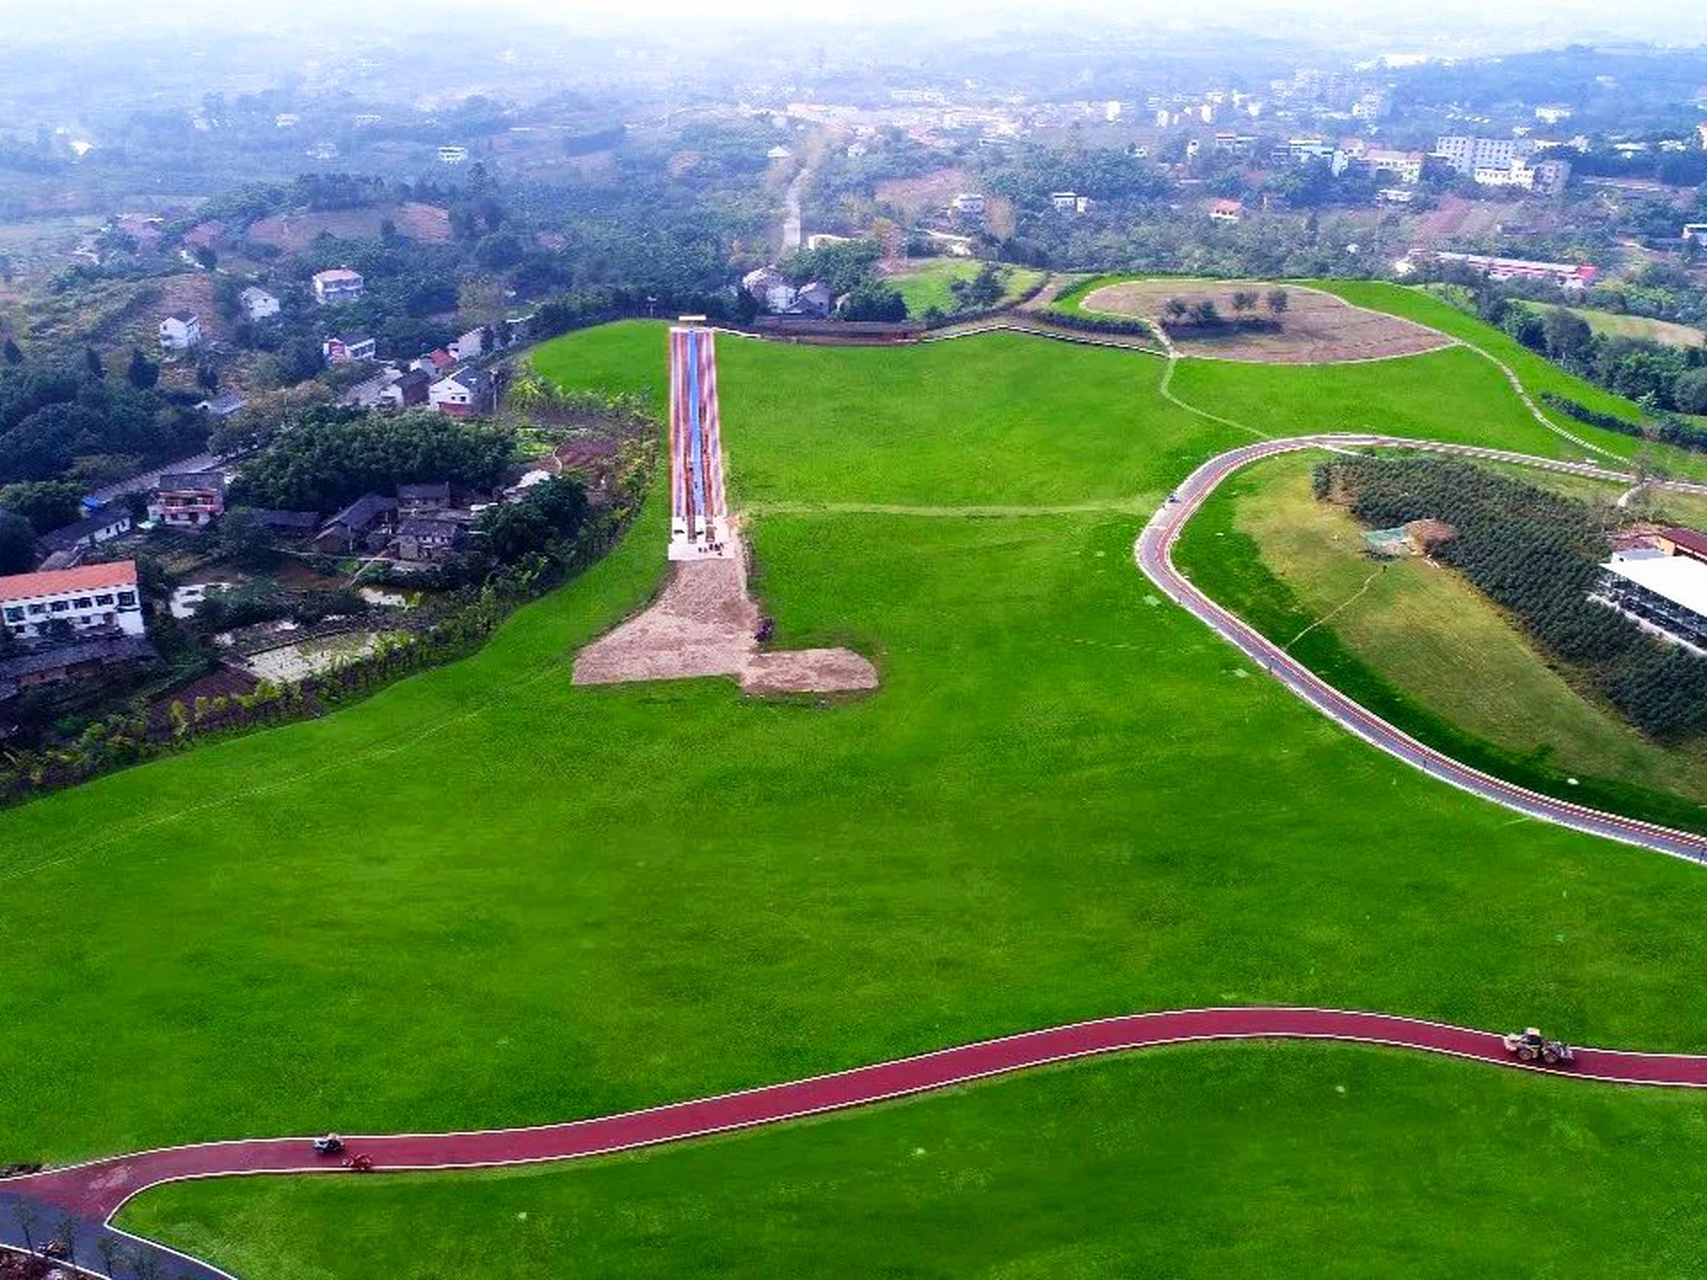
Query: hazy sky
(1359, 24)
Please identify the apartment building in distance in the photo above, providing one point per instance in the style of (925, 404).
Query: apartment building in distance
(1467, 155)
(1544, 178)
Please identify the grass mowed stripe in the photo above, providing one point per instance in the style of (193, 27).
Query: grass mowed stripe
(1214, 1161)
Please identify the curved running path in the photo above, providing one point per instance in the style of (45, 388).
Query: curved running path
(1154, 554)
(93, 1192)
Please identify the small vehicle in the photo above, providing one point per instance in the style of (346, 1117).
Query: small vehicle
(56, 1249)
(362, 1163)
(330, 1145)
(1529, 1045)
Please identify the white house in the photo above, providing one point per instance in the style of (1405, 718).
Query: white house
(258, 304)
(813, 299)
(1553, 113)
(471, 346)
(453, 155)
(967, 202)
(770, 288)
(463, 394)
(87, 597)
(180, 331)
(340, 284)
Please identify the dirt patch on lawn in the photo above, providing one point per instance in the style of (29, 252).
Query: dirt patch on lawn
(706, 624)
(1315, 328)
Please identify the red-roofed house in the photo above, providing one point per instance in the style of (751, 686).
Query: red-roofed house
(1683, 542)
(87, 597)
(1227, 210)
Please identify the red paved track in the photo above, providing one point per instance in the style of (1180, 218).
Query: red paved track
(96, 1190)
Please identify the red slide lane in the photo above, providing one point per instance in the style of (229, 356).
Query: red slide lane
(97, 1189)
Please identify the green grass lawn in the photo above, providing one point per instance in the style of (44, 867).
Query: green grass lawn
(1434, 636)
(1214, 1162)
(487, 897)
(1616, 325)
(926, 284)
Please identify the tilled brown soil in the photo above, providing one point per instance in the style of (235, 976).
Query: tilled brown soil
(1316, 327)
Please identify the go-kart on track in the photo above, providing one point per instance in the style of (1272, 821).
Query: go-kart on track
(92, 1193)
(88, 1195)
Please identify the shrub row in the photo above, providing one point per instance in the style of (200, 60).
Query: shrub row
(1668, 427)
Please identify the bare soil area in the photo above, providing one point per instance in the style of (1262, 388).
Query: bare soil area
(927, 191)
(294, 232)
(705, 624)
(1316, 327)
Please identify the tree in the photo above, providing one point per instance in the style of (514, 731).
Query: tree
(142, 373)
(46, 504)
(873, 301)
(92, 361)
(1205, 313)
(1568, 337)
(207, 377)
(29, 1217)
(67, 1234)
(1689, 392)
(17, 543)
(982, 290)
(1244, 300)
(1278, 301)
(244, 541)
(14, 353)
(513, 529)
(206, 256)
(112, 1253)
(1175, 308)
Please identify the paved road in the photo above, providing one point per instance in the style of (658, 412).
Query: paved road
(1154, 553)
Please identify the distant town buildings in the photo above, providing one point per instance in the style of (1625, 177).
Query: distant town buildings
(1544, 178)
(1553, 113)
(1567, 275)
(1467, 155)
(453, 155)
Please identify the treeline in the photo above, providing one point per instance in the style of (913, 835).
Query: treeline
(1537, 555)
(332, 456)
(1667, 427)
(1659, 377)
(72, 420)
